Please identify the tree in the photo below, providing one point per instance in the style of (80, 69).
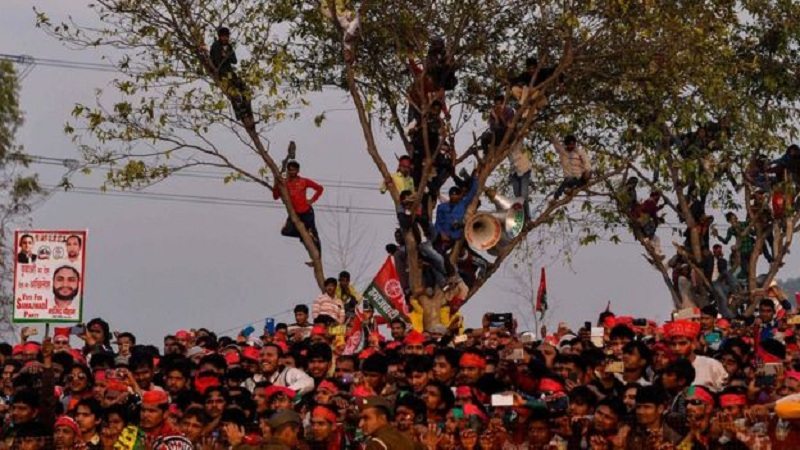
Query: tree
(19, 188)
(703, 118)
(175, 106)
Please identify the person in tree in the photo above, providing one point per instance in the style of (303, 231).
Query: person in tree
(348, 294)
(402, 179)
(450, 215)
(297, 187)
(574, 162)
(744, 240)
(413, 221)
(524, 85)
(434, 128)
(223, 58)
(431, 81)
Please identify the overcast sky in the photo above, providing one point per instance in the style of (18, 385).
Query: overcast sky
(157, 266)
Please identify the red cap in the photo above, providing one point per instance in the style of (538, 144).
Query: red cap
(16, 350)
(61, 331)
(116, 386)
(732, 400)
(31, 347)
(793, 374)
(324, 413)
(367, 352)
(77, 356)
(202, 384)
(700, 393)
(472, 360)
(100, 376)
(682, 328)
(328, 386)
(473, 410)
(155, 398)
(232, 358)
(183, 334)
(414, 337)
(68, 422)
(550, 385)
(362, 391)
(251, 353)
(275, 390)
(723, 324)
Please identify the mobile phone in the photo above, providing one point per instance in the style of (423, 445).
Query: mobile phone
(686, 313)
(269, 325)
(516, 354)
(597, 336)
(615, 367)
(765, 380)
(77, 330)
(246, 332)
(501, 320)
(771, 368)
(502, 400)
(346, 379)
(587, 325)
(558, 405)
(573, 376)
(640, 322)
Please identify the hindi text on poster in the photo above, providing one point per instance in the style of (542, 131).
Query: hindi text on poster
(49, 275)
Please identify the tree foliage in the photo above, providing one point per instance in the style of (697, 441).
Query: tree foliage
(630, 79)
(19, 187)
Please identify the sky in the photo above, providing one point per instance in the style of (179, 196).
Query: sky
(157, 266)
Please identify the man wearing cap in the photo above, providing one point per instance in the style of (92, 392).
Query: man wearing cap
(650, 430)
(374, 423)
(66, 435)
(682, 337)
(700, 406)
(414, 343)
(286, 426)
(153, 415)
(325, 434)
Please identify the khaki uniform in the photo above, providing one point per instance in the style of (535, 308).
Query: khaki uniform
(388, 438)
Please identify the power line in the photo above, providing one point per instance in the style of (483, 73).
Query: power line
(214, 200)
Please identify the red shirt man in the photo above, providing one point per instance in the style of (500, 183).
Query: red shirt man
(297, 187)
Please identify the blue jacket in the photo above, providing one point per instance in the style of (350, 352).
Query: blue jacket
(450, 216)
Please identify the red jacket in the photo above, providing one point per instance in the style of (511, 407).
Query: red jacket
(297, 193)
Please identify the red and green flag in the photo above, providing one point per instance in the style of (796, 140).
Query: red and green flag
(541, 295)
(385, 293)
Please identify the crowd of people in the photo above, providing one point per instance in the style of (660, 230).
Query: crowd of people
(699, 381)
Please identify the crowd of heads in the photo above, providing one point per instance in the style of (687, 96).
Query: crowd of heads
(617, 382)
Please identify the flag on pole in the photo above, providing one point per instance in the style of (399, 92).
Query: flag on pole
(541, 296)
(386, 294)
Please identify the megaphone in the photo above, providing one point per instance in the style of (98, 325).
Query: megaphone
(485, 231)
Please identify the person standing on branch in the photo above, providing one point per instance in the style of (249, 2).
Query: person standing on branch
(575, 163)
(297, 187)
(223, 57)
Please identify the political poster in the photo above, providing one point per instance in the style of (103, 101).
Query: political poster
(49, 275)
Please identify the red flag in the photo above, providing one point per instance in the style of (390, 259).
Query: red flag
(385, 292)
(541, 296)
